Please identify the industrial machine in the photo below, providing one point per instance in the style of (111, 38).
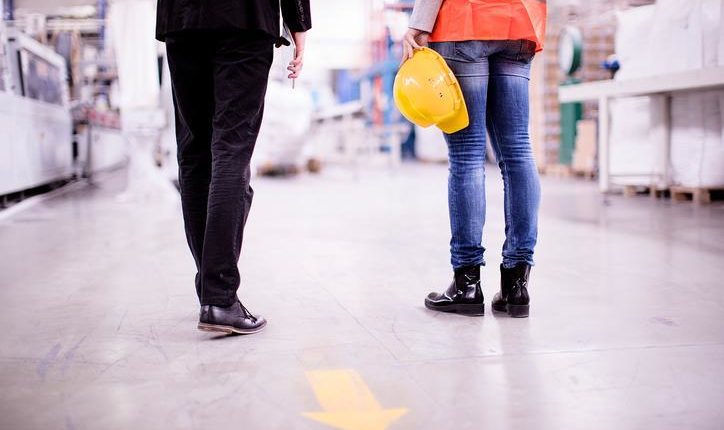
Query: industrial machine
(36, 127)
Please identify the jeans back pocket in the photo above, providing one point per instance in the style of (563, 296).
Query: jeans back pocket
(470, 51)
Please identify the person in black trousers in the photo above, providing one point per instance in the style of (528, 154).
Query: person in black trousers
(219, 54)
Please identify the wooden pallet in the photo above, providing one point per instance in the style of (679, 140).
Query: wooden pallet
(277, 170)
(427, 160)
(563, 171)
(638, 190)
(585, 174)
(695, 194)
(558, 170)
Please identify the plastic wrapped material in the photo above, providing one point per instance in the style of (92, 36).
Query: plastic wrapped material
(712, 35)
(668, 37)
(720, 50)
(634, 151)
(633, 40)
(284, 129)
(584, 156)
(677, 36)
(697, 148)
(430, 144)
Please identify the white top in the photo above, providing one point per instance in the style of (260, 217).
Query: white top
(424, 14)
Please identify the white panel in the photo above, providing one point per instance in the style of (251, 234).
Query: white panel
(36, 143)
(660, 83)
(108, 149)
(136, 53)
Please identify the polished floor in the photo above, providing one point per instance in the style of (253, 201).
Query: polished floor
(99, 314)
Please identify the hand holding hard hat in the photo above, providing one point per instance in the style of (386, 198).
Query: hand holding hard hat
(413, 39)
(427, 92)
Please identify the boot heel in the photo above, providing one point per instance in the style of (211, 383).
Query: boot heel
(518, 311)
(475, 310)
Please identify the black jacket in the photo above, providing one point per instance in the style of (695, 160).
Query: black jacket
(178, 15)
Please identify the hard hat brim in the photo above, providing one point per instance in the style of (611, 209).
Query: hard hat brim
(457, 122)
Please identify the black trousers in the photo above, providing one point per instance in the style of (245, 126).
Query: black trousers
(219, 80)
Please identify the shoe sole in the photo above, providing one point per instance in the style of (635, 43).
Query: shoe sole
(515, 311)
(227, 329)
(469, 310)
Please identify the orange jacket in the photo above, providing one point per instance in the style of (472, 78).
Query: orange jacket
(460, 20)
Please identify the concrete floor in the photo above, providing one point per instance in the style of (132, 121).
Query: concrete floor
(99, 314)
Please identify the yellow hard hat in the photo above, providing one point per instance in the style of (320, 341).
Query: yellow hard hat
(427, 92)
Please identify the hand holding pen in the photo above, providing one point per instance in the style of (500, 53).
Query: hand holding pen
(296, 65)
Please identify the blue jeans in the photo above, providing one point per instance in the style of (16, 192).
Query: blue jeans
(494, 78)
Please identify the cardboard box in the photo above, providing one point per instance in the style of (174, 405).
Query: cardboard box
(584, 156)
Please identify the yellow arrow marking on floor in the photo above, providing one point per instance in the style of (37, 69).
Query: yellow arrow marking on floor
(348, 403)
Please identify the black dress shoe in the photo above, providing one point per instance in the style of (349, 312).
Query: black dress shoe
(513, 297)
(463, 296)
(234, 319)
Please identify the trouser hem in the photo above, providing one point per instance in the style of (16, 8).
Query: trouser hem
(512, 264)
(459, 266)
(218, 301)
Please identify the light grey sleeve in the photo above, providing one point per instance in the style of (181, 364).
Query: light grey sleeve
(424, 14)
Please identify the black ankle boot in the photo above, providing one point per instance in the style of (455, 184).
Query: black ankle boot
(513, 296)
(463, 296)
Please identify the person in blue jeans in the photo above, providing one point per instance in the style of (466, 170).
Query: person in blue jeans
(494, 77)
